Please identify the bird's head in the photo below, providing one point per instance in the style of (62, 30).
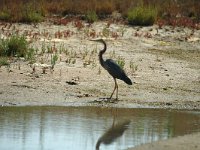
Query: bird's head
(102, 42)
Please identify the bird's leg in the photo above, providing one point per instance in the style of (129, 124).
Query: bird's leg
(117, 89)
(114, 89)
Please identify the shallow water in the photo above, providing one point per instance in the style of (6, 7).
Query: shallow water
(79, 128)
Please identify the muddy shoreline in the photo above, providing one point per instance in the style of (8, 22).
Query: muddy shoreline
(165, 67)
(165, 71)
(185, 142)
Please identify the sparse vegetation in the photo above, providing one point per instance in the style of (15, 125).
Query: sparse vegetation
(14, 46)
(4, 61)
(54, 58)
(91, 16)
(31, 16)
(43, 49)
(121, 61)
(133, 67)
(31, 55)
(106, 32)
(70, 60)
(138, 12)
(143, 16)
(5, 15)
(18, 11)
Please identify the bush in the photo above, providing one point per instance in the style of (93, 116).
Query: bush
(32, 17)
(143, 16)
(91, 16)
(5, 16)
(4, 61)
(14, 46)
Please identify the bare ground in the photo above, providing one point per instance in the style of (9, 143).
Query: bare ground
(165, 66)
(187, 142)
(165, 69)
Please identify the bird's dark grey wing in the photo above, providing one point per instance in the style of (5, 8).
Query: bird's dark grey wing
(113, 68)
(116, 71)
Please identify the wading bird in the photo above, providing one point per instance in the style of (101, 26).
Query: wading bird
(113, 68)
(113, 133)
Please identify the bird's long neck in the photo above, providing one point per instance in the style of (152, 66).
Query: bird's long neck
(101, 54)
(98, 144)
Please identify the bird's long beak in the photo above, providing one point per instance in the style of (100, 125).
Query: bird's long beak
(96, 40)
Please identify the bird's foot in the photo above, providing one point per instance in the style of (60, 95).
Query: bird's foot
(106, 100)
(109, 100)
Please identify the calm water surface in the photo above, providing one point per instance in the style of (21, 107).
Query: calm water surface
(72, 128)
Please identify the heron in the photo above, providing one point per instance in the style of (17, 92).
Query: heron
(114, 132)
(113, 68)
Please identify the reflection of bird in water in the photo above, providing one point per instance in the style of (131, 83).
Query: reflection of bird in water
(113, 133)
(113, 68)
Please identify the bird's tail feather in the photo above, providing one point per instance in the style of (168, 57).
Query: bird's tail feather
(128, 81)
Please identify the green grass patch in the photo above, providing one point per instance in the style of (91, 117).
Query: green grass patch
(121, 61)
(31, 17)
(5, 16)
(142, 16)
(4, 61)
(91, 16)
(29, 14)
(14, 46)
